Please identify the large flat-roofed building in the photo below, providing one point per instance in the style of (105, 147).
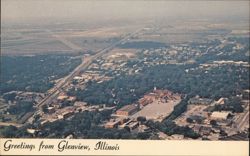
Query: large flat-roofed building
(220, 115)
(127, 110)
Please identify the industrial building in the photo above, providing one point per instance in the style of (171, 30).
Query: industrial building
(220, 115)
(127, 110)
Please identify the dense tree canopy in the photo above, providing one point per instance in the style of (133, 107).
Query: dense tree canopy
(222, 81)
(34, 73)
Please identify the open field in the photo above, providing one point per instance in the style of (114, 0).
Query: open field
(43, 40)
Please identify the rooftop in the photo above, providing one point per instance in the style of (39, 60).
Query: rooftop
(222, 115)
(200, 101)
(128, 108)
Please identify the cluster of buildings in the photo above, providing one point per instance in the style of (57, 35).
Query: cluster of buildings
(203, 120)
(87, 76)
(63, 107)
(55, 113)
(207, 66)
(128, 110)
(14, 99)
(151, 106)
(26, 96)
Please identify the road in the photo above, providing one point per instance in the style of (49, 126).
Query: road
(68, 43)
(64, 41)
(10, 124)
(243, 120)
(240, 123)
(57, 89)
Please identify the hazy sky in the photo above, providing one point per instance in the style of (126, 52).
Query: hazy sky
(28, 10)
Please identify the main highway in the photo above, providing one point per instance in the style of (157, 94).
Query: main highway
(86, 62)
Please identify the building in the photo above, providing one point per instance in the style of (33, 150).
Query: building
(219, 115)
(112, 124)
(133, 124)
(80, 103)
(65, 115)
(205, 130)
(177, 137)
(143, 128)
(221, 101)
(78, 78)
(127, 110)
(246, 94)
(197, 128)
(237, 137)
(123, 120)
(144, 101)
(62, 97)
(31, 131)
(71, 99)
(44, 122)
(51, 110)
(164, 94)
(200, 101)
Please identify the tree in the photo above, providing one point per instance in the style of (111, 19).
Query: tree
(8, 132)
(45, 108)
(9, 97)
(127, 128)
(143, 135)
(213, 123)
(189, 120)
(141, 119)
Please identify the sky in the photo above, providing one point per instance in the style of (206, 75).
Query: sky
(31, 10)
